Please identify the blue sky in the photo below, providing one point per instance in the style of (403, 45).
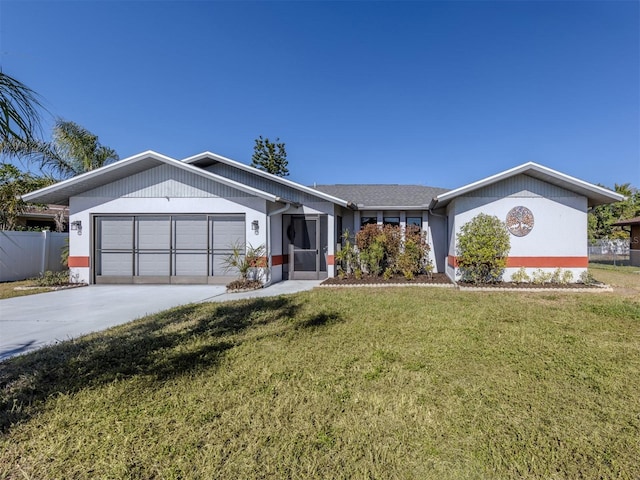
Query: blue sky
(433, 93)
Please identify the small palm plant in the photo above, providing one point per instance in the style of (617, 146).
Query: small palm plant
(250, 262)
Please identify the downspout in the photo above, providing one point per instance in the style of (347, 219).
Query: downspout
(446, 231)
(287, 205)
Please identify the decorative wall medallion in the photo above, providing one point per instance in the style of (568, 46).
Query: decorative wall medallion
(520, 221)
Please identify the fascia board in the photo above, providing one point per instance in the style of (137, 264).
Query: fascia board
(33, 196)
(149, 154)
(266, 175)
(547, 173)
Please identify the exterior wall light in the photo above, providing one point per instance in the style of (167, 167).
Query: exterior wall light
(255, 226)
(77, 225)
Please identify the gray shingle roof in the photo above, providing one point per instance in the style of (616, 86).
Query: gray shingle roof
(383, 195)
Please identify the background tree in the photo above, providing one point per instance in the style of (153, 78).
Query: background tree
(14, 183)
(483, 247)
(601, 217)
(19, 117)
(72, 151)
(270, 157)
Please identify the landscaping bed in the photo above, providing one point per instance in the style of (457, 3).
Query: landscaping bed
(433, 279)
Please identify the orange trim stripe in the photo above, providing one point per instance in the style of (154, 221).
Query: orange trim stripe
(279, 260)
(331, 260)
(537, 262)
(79, 262)
(548, 262)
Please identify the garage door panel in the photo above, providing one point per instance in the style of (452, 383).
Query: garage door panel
(227, 232)
(152, 264)
(115, 264)
(190, 264)
(191, 233)
(220, 267)
(153, 233)
(115, 233)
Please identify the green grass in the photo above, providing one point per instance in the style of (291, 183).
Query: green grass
(353, 383)
(8, 289)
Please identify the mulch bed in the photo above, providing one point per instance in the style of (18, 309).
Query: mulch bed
(440, 279)
(435, 279)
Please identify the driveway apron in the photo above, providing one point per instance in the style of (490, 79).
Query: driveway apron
(33, 321)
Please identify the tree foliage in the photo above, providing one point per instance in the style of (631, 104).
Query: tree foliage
(483, 247)
(19, 105)
(270, 157)
(72, 151)
(14, 183)
(602, 217)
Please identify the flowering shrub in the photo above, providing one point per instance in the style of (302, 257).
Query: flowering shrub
(385, 251)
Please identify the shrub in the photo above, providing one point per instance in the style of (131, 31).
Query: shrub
(540, 277)
(378, 247)
(483, 247)
(346, 257)
(586, 278)
(521, 276)
(556, 277)
(567, 276)
(53, 279)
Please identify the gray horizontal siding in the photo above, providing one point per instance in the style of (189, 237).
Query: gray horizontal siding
(522, 186)
(165, 181)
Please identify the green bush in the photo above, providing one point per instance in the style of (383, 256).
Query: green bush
(347, 256)
(53, 279)
(483, 247)
(521, 276)
(388, 250)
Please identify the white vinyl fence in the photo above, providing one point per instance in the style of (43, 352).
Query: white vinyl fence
(28, 254)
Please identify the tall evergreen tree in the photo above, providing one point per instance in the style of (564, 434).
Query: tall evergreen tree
(270, 157)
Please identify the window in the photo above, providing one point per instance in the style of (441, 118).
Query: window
(339, 229)
(368, 221)
(414, 222)
(393, 221)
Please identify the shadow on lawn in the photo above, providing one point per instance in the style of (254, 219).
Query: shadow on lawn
(165, 345)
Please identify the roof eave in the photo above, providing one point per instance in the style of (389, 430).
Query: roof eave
(41, 194)
(270, 176)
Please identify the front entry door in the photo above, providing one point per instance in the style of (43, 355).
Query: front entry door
(304, 249)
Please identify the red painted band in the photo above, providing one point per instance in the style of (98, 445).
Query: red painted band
(537, 262)
(79, 262)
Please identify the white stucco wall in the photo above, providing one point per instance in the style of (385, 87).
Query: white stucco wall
(560, 228)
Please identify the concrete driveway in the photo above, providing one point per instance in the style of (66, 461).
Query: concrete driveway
(30, 322)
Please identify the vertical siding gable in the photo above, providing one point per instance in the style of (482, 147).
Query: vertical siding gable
(264, 184)
(165, 181)
(521, 186)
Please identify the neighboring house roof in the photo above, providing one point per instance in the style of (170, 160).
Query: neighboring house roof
(379, 197)
(630, 221)
(596, 195)
(60, 192)
(207, 159)
(50, 211)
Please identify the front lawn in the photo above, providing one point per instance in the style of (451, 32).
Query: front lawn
(351, 383)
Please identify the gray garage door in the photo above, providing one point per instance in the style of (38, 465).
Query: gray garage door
(165, 248)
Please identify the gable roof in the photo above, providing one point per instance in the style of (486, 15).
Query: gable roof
(60, 192)
(382, 196)
(595, 195)
(207, 159)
